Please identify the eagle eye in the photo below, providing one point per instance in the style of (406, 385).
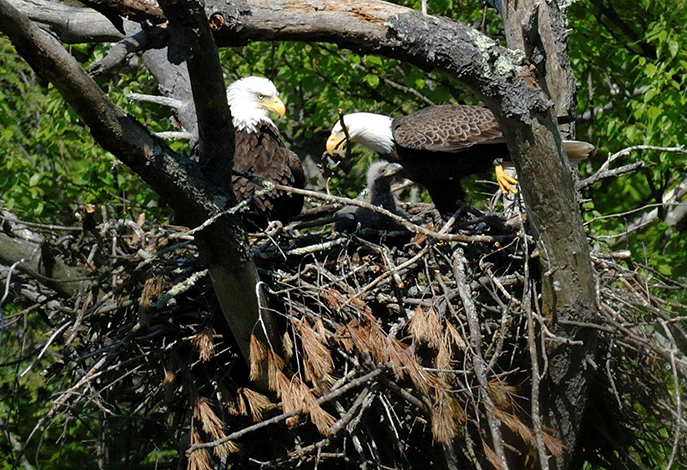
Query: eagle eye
(261, 96)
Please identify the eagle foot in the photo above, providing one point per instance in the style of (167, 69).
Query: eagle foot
(507, 183)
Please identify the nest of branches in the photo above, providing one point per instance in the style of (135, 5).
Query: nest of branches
(396, 352)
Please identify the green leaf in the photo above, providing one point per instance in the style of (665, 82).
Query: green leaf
(373, 80)
(650, 70)
(673, 47)
(664, 269)
(33, 181)
(654, 112)
(649, 94)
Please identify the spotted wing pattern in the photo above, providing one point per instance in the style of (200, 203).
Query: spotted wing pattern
(447, 128)
(263, 153)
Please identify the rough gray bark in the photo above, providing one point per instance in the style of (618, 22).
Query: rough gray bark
(539, 29)
(73, 24)
(191, 42)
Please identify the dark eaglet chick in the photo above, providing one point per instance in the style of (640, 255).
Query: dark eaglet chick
(379, 177)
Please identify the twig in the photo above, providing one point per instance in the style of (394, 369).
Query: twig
(677, 394)
(399, 269)
(43, 226)
(632, 211)
(478, 360)
(8, 282)
(143, 40)
(180, 288)
(345, 130)
(175, 135)
(356, 202)
(306, 250)
(629, 150)
(232, 210)
(599, 175)
(91, 374)
(16, 446)
(534, 360)
(46, 346)
(161, 100)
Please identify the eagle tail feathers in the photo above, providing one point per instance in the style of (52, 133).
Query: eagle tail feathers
(577, 150)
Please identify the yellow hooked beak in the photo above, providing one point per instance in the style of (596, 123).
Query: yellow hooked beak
(336, 145)
(276, 105)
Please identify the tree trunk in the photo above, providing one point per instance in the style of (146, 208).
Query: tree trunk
(568, 289)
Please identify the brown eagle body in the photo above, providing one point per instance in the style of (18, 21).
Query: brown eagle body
(263, 153)
(438, 146)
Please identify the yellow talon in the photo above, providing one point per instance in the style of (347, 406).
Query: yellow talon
(506, 182)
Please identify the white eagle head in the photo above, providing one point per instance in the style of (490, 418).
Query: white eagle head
(251, 100)
(371, 130)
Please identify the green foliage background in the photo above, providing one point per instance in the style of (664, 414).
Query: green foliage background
(629, 56)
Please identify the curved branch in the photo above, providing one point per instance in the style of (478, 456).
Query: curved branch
(73, 24)
(33, 261)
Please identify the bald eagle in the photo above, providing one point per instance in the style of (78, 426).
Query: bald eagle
(260, 150)
(438, 146)
(379, 178)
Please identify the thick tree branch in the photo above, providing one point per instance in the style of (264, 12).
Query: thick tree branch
(500, 76)
(142, 40)
(50, 271)
(191, 41)
(73, 24)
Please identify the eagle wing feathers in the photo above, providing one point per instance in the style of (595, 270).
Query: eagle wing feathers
(446, 128)
(263, 153)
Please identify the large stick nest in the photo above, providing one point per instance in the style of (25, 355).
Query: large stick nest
(394, 354)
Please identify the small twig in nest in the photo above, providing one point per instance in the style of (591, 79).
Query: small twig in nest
(345, 130)
(356, 202)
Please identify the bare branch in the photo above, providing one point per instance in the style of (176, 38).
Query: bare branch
(73, 24)
(142, 40)
(396, 218)
(41, 265)
(155, 99)
(599, 175)
(478, 358)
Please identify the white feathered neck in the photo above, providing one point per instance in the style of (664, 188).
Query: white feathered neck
(369, 129)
